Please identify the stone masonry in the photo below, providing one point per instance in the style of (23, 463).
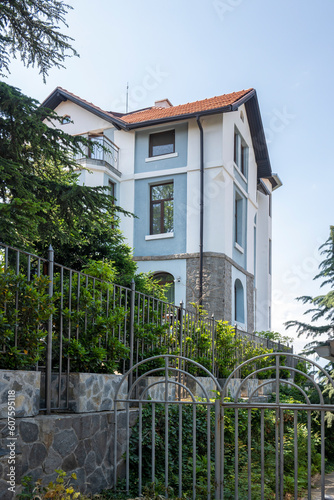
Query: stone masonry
(26, 385)
(82, 444)
(218, 286)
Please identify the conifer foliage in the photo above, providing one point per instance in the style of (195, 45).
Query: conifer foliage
(321, 307)
(30, 28)
(41, 200)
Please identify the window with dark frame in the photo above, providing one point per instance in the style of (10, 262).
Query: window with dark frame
(162, 143)
(238, 219)
(65, 119)
(166, 279)
(240, 153)
(162, 208)
(111, 185)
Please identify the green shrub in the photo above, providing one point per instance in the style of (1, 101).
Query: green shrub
(25, 307)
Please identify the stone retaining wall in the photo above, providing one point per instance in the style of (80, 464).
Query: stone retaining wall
(26, 385)
(83, 444)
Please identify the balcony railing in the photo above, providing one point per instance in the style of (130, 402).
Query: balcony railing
(103, 151)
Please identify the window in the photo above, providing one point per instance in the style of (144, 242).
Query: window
(270, 205)
(270, 257)
(240, 153)
(65, 119)
(238, 218)
(111, 185)
(166, 279)
(239, 309)
(161, 209)
(162, 143)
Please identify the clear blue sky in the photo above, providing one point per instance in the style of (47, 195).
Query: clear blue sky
(192, 49)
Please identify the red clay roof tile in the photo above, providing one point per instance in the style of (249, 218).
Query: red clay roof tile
(158, 113)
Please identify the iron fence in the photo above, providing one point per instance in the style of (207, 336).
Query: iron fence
(97, 326)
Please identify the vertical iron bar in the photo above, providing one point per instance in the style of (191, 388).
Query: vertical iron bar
(140, 448)
(132, 324)
(222, 452)
(281, 440)
(322, 451)
(218, 458)
(194, 451)
(69, 335)
(127, 460)
(166, 449)
(249, 454)
(61, 325)
(153, 443)
(166, 427)
(28, 268)
(180, 450)
(115, 444)
(49, 341)
(309, 456)
(78, 307)
(295, 437)
(236, 452)
(209, 448)
(262, 454)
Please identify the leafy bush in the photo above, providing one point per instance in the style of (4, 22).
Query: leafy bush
(61, 489)
(25, 307)
(270, 424)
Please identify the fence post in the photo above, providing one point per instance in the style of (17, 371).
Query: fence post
(181, 327)
(49, 342)
(132, 326)
(213, 345)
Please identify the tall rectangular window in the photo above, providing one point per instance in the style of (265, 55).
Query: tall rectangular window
(238, 224)
(240, 153)
(270, 256)
(162, 208)
(162, 143)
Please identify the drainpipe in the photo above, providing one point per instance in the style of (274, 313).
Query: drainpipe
(201, 210)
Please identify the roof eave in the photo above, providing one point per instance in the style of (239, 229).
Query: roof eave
(59, 96)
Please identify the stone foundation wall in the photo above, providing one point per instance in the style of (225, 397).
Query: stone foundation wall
(83, 444)
(218, 286)
(26, 385)
(87, 392)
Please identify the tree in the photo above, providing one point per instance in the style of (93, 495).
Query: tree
(31, 28)
(322, 306)
(41, 202)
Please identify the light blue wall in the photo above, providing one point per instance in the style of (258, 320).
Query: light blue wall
(142, 150)
(238, 257)
(165, 246)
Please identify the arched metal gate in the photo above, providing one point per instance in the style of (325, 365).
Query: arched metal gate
(214, 446)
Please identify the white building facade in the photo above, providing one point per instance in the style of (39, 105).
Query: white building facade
(199, 180)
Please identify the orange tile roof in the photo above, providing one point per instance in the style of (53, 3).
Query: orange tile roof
(158, 113)
(155, 113)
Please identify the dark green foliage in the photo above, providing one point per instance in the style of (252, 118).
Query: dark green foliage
(31, 28)
(24, 310)
(321, 307)
(41, 202)
(229, 452)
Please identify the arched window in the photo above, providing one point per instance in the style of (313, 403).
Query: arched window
(166, 279)
(239, 308)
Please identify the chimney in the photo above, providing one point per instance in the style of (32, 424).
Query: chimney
(163, 103)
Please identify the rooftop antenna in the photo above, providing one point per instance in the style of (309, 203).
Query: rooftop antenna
(127, 98)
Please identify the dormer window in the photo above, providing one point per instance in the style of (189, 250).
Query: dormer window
(240, 153)
(162, 143)
(65, 119)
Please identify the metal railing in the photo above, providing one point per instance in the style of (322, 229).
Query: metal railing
(103, 150)
(97, 326)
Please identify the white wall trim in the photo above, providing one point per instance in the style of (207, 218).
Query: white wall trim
(158, 236)
(161, 157)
